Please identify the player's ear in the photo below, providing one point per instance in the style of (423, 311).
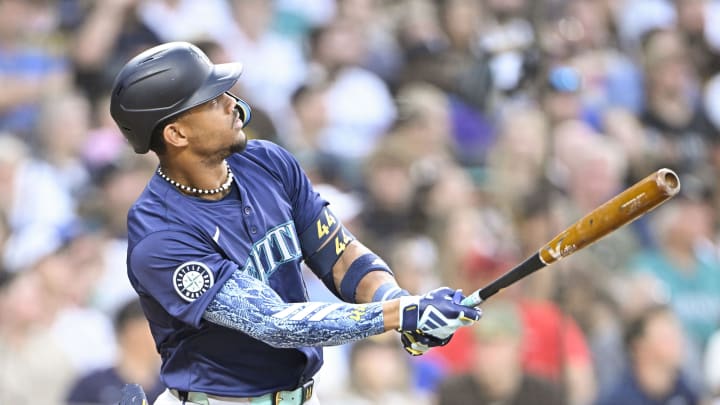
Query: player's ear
(174, 134)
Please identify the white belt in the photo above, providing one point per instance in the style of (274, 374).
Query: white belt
(297, 396)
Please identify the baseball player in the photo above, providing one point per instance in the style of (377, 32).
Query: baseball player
(217, 238)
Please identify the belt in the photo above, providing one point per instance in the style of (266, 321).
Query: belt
(297, 396)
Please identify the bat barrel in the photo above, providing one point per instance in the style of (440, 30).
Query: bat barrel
(668, 181)
(635, 201)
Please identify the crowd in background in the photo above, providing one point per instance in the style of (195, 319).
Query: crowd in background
(453, 137)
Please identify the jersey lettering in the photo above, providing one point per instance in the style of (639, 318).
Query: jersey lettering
(280, 245)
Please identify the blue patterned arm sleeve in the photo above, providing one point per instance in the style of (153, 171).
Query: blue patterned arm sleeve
(248, 305)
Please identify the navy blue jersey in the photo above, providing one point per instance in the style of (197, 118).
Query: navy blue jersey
(182, 249)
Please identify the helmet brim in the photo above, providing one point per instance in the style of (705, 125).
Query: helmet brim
(221, 79)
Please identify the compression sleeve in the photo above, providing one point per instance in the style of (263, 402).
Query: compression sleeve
(247, 305)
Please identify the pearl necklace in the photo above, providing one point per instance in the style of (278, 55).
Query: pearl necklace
(192, 190)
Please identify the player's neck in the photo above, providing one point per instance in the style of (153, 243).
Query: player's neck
(208, 181)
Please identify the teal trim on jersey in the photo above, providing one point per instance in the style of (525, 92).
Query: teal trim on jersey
(279, 245)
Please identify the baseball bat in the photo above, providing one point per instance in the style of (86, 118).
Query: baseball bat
(630, 204)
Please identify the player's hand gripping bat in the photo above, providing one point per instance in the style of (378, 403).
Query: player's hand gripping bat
(622, 209)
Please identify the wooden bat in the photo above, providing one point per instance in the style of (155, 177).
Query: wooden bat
(633, 202)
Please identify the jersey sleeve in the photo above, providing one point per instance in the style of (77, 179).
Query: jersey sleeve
(181, 271)
(245, 304)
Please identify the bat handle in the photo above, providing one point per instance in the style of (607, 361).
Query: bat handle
(472, 300)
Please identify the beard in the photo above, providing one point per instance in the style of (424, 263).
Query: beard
(238, 146)
(218, 155)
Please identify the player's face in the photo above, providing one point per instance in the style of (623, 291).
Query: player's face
(214, 128)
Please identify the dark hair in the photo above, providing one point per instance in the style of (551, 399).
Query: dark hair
(636, 327)
(157, 141)
(300, 92)
(6, 278)
(130, 311)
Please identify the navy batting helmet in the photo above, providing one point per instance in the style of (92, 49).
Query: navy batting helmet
(164, 81)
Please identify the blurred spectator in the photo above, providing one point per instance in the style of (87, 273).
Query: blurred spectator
(62, 133)
(680, 132)
(439, 43)
(712, 367)
(294, 18)
(654, 348)
(414, 262)
(29, 68)
(108, 35)
(382, 52)
(70, 276)
(507, 39)
(185, 20)
(379, 374)
(40, 212)
(424, 123)
(496, 375)
(304, 137)
(137, 362)
(609, 76)
(687, 266)
(596, 170)
(309, 105)
(467, 67)
(712, 108)
(278, 67)
(388, 193)
(105, 143)
(553, 347)
(336, 51)
(517, 162)
(636, 18)
(33, 367)
(473, 245)
(425, 47)
(560, 98)
(118, 188)
(694, 20)
(624, 128)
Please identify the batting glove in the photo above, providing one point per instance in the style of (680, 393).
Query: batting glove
(418, 344)
(437, 314)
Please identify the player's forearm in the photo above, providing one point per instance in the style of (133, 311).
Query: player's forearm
(370, 282)
(391, 314)
(253, 308)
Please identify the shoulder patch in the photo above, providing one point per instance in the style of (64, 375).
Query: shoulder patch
(192, 279)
